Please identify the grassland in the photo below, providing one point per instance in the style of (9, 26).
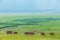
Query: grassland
(32, 23)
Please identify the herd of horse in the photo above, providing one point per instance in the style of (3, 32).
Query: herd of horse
(31, 33)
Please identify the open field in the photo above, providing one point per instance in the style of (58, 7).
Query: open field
(36, 24)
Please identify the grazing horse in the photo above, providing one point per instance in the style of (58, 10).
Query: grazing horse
(15, 33)
(52, 34)
(29, 33)
(42, 33)
(9, 32)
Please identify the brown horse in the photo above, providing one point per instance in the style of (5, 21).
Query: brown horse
(42, 33)
(52, 34)
(29, 33)
(9, 32)
(15, 32)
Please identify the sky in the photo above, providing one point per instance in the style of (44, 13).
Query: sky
(29, 5)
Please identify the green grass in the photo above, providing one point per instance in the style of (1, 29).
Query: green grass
(42, 25)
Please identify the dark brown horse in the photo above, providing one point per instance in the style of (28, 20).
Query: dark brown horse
(42, 33)
(29, 33)
(15, 32)
(9, 32)
(52, 34)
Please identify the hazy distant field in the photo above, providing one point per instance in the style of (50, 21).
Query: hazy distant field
(30, 23)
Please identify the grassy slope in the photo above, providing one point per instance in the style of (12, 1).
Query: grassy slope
(45, 26)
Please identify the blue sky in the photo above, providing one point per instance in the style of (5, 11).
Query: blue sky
(31, 5)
